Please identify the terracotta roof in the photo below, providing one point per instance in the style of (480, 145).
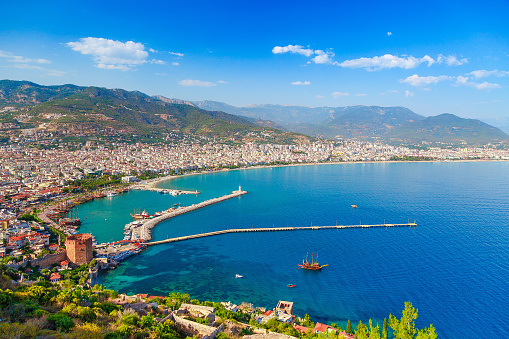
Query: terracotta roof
(319, 327)
(300, 328)
(55, 276)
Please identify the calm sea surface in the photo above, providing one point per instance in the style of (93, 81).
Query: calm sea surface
(454, 266)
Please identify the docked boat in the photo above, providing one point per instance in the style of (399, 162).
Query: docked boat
(72, 220)
(238, 276)
(111, 194)
(140, 215)
(313, 265)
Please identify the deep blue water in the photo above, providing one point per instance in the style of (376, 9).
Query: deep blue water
(454, 266)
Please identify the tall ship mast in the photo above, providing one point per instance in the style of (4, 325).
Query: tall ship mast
(314, 265)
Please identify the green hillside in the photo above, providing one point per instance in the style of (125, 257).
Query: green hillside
(129, 116)
(448, 128)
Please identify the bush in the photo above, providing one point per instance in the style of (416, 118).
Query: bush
(6, 298)
(108, 307)
(61, 321)
(87, 331)
(39, 313)
(124, 331)
(130, 319)
(40, 294)
(85, 314)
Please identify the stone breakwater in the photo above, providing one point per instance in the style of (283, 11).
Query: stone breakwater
(144, 230)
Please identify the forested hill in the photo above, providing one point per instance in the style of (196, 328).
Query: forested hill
(115, 113)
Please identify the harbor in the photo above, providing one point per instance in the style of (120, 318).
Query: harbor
(140, 229)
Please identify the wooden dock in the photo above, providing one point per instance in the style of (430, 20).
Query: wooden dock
(275, 229)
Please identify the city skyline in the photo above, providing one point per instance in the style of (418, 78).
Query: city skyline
(440, 57)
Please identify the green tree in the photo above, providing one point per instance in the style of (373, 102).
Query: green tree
(427, 333)
(362, 331)
(404, 328)
(385, 331)
(349, 328)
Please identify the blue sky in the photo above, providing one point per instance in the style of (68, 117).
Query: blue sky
(432, 57)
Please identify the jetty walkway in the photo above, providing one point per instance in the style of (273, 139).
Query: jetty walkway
(162, 190)
(144, 232)
(275, 229)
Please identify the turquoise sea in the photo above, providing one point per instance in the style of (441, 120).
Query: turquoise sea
(454, 266)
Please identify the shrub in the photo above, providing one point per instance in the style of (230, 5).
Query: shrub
(61, 321)
(40, 294)
(39, 313)
(108, 307)
(6, 298)
(130, 319)
(86, 314)
(87, 331)
(124, 331)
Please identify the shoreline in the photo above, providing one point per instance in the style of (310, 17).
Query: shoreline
(152, 183)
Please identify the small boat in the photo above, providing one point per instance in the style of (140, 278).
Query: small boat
(111, 194)
(237, 276)
(354, 206)
(290, 285)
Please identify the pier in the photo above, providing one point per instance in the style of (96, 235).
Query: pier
(143, 231)
(275, 229)
(162, 190)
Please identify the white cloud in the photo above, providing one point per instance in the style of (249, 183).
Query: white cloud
(300, 83)
(175, 64)
(19, 59)
(415, 80)
(176, 53)
(112, 54)
(157, 62)
(295, 49)
(152, 50)
(389, 33)
(323, 57)
(189, 82)
(451, 60)
(386, 61)
(222, 82)
(339, 94)
(360, 94)
(465, 81)
(409, 94)
(484, 74)
(50, 72)
(375, 63)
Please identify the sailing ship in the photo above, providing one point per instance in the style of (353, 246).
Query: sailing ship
(140, 215)
(314, 265)
(72, 219)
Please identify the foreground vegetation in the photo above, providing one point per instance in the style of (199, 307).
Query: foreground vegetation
(72, 310)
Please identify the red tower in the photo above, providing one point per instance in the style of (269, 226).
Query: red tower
(79, 248)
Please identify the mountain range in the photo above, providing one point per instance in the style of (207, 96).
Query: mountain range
(391, 124)
(74, 111)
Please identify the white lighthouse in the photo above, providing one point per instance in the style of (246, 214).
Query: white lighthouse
(240, 189)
